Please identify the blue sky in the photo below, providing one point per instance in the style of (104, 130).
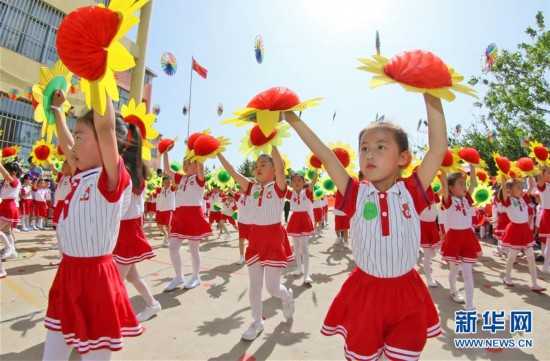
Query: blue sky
(312, 47)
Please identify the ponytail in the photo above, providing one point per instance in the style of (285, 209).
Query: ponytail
(129, 147)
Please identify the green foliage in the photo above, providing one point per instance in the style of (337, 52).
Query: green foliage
(246, 168)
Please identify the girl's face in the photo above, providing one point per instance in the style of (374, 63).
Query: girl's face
(166, 183)
(297, 183)
(264, 171)
(546, 175)
(47, 185)
(379, 156)
(27, 181)
(459, 188)
(86, 150)
(189, 168)
(516, 190)
(40, 184)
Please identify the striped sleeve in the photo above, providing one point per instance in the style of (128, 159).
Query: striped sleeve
(349, 201)
(422, 199)
(123, 182)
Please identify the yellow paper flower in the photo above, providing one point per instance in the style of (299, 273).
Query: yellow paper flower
(539, 153)
(526, 167)
(256, 142)
(59, 77)
(206, 147)
(417, 71)
(345, 154)
(42, 153)
(451, 161)
(483, 176)
(413, 165)
(286, 161)
(482, 195)
(59, 155)
(10, 153)
(144, 121)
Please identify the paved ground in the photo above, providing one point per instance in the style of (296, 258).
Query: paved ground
(206, 323)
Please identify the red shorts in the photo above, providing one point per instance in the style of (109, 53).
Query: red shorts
(25, 207)
(544, 228)
(132, 246)
(189, 223)
(89, 304)
(228, 219)
(268, 245)
(429, 235)
(214, 216)
(318, 214)
(341, 223)
(150, 207)
(325, 209)
(9, 211)
(502, 222)
(395, 316)
(461, 245)
(164, 218)
(244, 229)
(39, 209)
(518, 236)
(299, 225)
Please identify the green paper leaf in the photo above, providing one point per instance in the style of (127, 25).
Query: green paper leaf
(370, 211)
(59, 82)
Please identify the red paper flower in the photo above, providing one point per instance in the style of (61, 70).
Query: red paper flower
(166, 144)
(193, 137)
(471, 155)
(206, 146)
(315, 161)
(527, 167)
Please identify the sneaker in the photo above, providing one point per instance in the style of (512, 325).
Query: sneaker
(253, 331)
(149, 312)
(288, 305)
(338, 241)
(166, 243)
(41, 228)
(173, 284)
(24, 229)
(55, 263)
(3, 273)
(241, 260)
(9, 253)
(298, 272)
(308, 280)
(430, 282)
(540, 258)
(192, 283)
(16, 230)
(508, 282)
(538, 289)
(227, 236)
(457, 297)
(346, 245)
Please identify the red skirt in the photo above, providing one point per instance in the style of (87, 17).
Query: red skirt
(132, 246)
(25, 207)
(88, 303)
(394, 316)
(299, 225)
(318, 214)
(325, 209)
(544, 228)
(150, 207)
(189, 223)
(461, 245)
(341, 223)
(164, 218)
(429, 235)
(268, 245)
(39, 209)
(228, 219)
(214, 216)
(502, 222)
(244, 229)
(9, 211)
(518, 236)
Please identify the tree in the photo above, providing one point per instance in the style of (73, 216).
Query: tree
(517, 100)
(246, 168)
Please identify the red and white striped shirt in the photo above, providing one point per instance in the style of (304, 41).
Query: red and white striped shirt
(300, 202)
(517, 208)
(11, 190)
(26, 192)
(544, 193)
(90, 220)
(228, 207)
(136, 206)
(244, 215)
(39, 194)
(63, 188)
(385, 226)
(190, 190)
(267, 203)
(166, 199)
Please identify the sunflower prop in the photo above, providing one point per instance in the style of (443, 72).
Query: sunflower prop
(482, 176)
(223, 179)
(436, 184)
(318, 193)
(88, 43)
(503, 165)
(471, 156)
(312, 161)
(166, 145)
(42, 153)
(265, 108)
(191, 140)
(327, 185)
(527, 167)
(344, 153)
(9, 154)
(418, 71)
(206, 146)
(59, 77)
(138, 116)
(482, 195)
(286, 162)
(59, 155)
(255, 141)
(310, 173)
(411, 167)
(450, 162)
(539, 153)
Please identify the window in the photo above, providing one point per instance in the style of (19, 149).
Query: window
(124, 98)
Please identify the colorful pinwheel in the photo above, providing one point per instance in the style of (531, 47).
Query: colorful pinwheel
(156, 109)
(169, 63)
(259, 49)
(489, 57)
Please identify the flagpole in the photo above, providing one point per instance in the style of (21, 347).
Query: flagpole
(190, 88)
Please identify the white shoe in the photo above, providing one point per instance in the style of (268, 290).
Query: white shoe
(24, 229)
(338, 241)
(308, 280)
(16, 230)
(9, 253)
(192, 283)
(253, 331)
(346, 245)
(288, 305)
(3, 273)
(457, 297)
(241, 260)
(298, 272)
(227, 236)
(149, 312)
(173, 284)
(430, 282)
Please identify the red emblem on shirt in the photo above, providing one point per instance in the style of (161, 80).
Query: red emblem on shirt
(268, 195)
(86, 195)
(406, 210)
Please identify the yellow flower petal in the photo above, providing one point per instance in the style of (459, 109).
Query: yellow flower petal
(267, 120)
(118, 58)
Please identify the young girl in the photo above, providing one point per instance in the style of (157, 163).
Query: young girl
(429, 238)
(9, 213)
(150, 209)
(188, 222)
(88, 307)
(543, 186)
(501, 219)
(39, 209)
(48, 198)
(228, 207)
(62, 189)
(166, 204)
(341, 223)
(215, 213)
(318, 215)
(244, 220)
(384, 307)
(268, 248)
(518, 235)
(25, 205)
(300, 225)
(132, 247)
(460, 246)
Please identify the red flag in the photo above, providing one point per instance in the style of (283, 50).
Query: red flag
(199, 69)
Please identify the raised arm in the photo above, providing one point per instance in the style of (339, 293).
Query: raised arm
(473, 179)
(540, 177)
(238, 177)
(504, 190)
(106, 137)
(200, 171)
(437, 138)
(333, 166)
(169, 172)
(444, 186)
(314, 180)
(66, 140)
(5, 173)
(280, 178)
(531, 182)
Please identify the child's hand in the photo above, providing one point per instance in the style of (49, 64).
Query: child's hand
(58, 98)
